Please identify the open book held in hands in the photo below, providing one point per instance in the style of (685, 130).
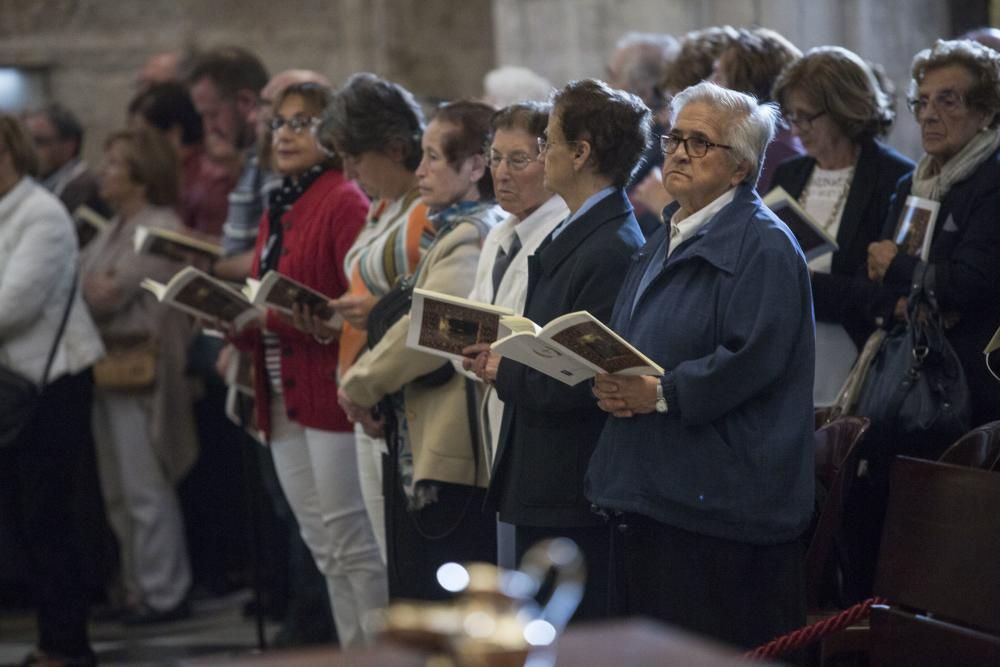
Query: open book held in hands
(89, 223)
(173, 245)
(199, 294)
(280, 293)
(915, 227)
(572, 348)
(813, 239)
(442, 324)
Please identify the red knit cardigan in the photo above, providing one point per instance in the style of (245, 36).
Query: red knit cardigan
(317, 232)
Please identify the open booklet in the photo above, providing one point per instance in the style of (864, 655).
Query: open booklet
(572, 348)
(992, 353)
(89, 223)
(241, 408)
(915, 227)
(173, 245)
(280, 292)
(443, 324)
(813, 239)
(199, 294)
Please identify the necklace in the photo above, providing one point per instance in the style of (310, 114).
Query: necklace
(838, 205)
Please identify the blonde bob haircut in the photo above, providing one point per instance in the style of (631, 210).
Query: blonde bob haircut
(152, 162)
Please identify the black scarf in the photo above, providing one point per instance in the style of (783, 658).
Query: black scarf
(279, 202)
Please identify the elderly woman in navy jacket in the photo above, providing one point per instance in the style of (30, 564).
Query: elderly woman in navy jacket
(708, 469)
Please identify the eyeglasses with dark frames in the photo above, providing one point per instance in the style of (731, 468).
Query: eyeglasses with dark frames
(694, 146)
(802, 121)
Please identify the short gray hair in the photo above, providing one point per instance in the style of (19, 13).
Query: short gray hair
(751, 124)
(509, 84)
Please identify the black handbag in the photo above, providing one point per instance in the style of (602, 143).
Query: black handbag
(915, 390)
(19, 395)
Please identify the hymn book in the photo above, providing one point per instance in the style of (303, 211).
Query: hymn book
(813, 239)
(572, 348)
(281, 293)
(199, 294)
(174, 245)
(992, 347)
(241, 408)
(915, 227)
(443, 324)
(89, 223)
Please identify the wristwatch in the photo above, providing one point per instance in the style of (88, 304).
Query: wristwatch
(661, 401)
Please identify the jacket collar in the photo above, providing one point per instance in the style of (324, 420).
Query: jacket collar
(862, 189)
(553, 252)
(13, 197)
(719, 240)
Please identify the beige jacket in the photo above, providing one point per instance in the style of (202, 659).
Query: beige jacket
(172, 430)
(437, 417)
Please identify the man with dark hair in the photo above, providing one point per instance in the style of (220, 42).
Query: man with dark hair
(58, 139)
(205, 183)
(593, 140)
(225, 85)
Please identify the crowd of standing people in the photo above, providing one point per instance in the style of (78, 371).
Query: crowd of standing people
(637, 200)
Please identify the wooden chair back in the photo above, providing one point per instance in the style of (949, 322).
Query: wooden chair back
(979, 448)
(939, 568)
(836, 470)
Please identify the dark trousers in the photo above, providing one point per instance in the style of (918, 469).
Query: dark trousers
(36, 500)
(595, 544)
(212, 493)
(743, 594)
(453, 529)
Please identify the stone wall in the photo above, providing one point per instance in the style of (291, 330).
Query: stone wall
(90, 50)
(567, 39)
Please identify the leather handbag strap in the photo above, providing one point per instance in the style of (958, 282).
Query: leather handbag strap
(59, 333)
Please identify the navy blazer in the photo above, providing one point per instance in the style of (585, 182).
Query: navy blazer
(837, 294)
(965, 256)
(549, 429)
(729, 316)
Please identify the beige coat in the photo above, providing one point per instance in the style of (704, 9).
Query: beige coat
(172, 430)
(437, 417)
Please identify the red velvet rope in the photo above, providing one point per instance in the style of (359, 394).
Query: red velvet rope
(796, 639)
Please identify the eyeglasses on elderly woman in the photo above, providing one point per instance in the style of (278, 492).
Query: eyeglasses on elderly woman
(296, 123)
(517, 161)
(695, 146)
(946, 102)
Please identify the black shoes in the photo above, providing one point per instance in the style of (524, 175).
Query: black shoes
(146, 615)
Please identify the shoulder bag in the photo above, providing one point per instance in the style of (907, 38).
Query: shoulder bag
(19, 395)
(915, 388)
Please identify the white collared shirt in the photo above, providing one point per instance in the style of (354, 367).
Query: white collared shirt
(513, 288)
(686, 228)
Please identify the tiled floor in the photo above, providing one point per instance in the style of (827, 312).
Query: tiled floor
(217, 627)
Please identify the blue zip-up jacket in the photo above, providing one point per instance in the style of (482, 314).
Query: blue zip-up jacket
(730, 317)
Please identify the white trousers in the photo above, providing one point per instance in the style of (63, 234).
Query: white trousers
(318, 471)
(370, 451)
(141, 502)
